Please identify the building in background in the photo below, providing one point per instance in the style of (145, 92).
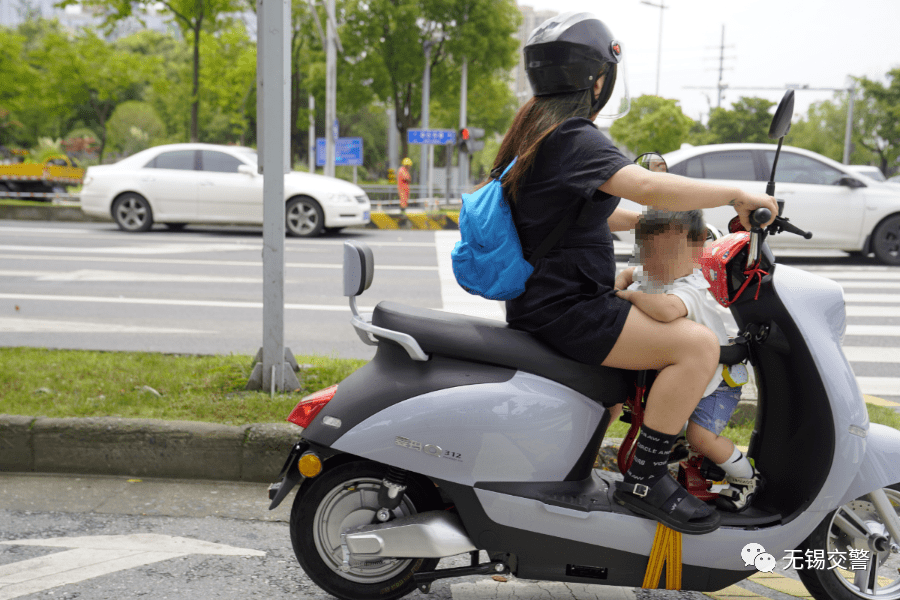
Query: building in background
(530, 20)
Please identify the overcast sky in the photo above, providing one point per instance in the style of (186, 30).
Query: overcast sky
(768, 43)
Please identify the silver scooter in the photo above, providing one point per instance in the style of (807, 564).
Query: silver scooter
(463, 435)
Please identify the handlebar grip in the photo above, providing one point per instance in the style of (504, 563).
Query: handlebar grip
(760, 217)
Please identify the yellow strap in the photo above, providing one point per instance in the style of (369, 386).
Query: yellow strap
(666, 551)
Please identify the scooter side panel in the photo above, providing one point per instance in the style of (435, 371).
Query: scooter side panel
(880, 467)
(526, 429)
(816, 305)
(719, 550)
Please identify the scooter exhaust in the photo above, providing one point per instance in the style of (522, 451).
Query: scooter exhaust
(433, 534)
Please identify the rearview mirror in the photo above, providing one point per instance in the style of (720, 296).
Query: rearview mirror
(652, 161)
(246, 169)
(781, 122)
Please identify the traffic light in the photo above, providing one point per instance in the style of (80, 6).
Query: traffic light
(471, 139)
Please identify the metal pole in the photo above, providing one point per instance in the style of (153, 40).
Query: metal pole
(848, 134)
(273, 78)
(312, 134)
(330, 91)
(659, 48)
(721, 68)
(426, 99)
(463, 178)
(430, 171)
(393, 139)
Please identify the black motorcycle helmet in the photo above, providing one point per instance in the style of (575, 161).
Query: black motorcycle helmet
(567, 53)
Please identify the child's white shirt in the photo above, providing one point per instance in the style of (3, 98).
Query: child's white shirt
(691, 289)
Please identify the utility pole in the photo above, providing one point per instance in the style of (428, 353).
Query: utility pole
(661, 8)
(848, 134)
(426, 100)
(330, 87)
(721, 68)
(463, 181)
(312, 133)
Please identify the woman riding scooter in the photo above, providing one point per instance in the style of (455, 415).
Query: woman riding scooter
(575, 65)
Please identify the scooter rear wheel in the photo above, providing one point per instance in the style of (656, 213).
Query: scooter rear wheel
(344, 497)
(875, 577)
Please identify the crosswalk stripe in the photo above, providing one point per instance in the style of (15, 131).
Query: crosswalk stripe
(868, 354)
(873, 298)
(873, 311)
(879, 386)
(879, 285)
(874, 275)
(876, 330)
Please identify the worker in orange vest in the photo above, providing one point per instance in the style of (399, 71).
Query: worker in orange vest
(403, 179)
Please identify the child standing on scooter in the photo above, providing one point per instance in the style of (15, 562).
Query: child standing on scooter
(669, 285)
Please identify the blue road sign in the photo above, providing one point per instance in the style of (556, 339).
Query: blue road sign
(348, 152)
(434, 137)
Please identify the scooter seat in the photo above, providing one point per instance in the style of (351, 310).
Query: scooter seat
(494, 342)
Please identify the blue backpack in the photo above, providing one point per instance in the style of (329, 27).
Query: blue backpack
(488, 261)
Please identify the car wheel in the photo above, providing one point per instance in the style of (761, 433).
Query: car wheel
(132, 213)
(886, 241)
(304, 218)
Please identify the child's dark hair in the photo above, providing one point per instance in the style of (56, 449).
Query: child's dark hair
(654, 222)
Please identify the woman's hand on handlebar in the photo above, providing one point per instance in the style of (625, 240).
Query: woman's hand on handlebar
(745, 203)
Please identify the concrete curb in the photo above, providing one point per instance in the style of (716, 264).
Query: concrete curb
(48, 212)
(145, 448)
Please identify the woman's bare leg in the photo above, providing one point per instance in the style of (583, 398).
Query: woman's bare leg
(685, 354)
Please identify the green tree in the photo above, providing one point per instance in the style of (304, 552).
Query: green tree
(883, 140)
(824, 127)
(746, 122)
(653, 124)
(384, 42)
(192, 17)
(134, 126)
(16, 76)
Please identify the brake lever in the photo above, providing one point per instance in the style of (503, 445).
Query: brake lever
(782, 224)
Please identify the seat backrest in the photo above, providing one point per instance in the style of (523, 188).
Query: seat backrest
(359, 267)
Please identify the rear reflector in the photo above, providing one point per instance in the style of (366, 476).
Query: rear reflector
(307, 409)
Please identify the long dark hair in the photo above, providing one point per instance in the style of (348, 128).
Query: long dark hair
(535, 120)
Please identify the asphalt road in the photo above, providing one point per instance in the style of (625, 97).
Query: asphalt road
(90, 286)
(99, 538)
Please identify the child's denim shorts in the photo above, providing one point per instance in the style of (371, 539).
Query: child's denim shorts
(715, 410)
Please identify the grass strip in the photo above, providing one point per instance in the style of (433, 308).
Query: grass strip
(77, 383)
(81, 383)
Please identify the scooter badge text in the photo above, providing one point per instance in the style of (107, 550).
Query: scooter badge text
(429, 449)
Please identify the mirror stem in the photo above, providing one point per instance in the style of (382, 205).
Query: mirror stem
(770, 187)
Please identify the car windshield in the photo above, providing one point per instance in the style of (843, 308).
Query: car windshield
(249, 155)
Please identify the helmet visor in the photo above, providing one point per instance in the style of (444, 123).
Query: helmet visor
(619, 102)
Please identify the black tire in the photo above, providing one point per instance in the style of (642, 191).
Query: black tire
(346, 496)
(886, 241)
(333, 230)
(844, 584)
(132, 213)
(303, 217)
(176, 226)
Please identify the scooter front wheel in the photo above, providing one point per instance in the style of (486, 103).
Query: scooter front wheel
(862, 558)
(344, 497)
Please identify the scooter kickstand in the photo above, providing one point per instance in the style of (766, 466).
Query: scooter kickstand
(424, 579)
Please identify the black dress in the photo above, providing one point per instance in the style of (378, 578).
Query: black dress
(569, 300)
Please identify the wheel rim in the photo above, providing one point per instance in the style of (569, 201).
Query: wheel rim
(889, 239)
(302, 218)
(353, 504)
(880, 579)
(132, 213)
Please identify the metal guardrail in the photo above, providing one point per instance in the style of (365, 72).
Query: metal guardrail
(386, 197)
(42, 195)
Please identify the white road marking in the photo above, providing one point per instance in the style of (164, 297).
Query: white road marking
(870, 284)
(874, 275)
(96, 556)
(217, 263)
(873, 311)
(24, 230)
(126, 276)
(454, 298)
(488, 589)
(145, 250)
(872, 354)
(176, 302)
(873, 298)
(878, 330)
(23, 325)
(879, 386)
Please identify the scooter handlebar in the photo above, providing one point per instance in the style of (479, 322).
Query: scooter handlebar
(760, 217)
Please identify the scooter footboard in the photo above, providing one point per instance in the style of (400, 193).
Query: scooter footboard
(880, 465)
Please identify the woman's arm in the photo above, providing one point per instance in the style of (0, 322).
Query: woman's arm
(667, 191)
(623, 220)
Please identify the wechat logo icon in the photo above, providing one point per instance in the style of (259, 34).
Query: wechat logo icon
(754, 554)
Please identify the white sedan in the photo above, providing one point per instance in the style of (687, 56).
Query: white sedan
(178, 184)
(843, 209)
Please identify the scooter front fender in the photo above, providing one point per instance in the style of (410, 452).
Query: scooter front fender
(880, 465)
